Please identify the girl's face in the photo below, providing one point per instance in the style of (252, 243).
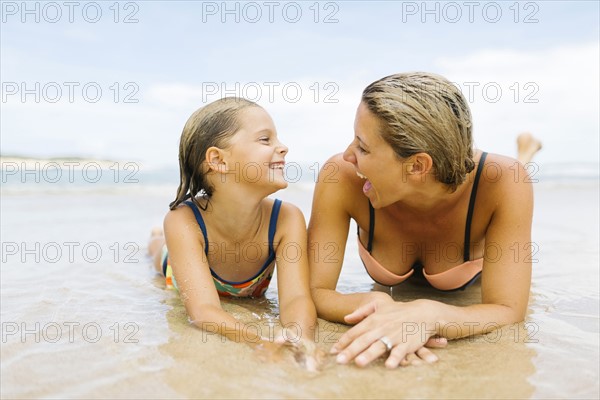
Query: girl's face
(255, 153)
(375, 161)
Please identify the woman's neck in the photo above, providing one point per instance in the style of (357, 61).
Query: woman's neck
(432, 199)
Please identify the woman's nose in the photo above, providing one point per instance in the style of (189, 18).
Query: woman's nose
(349, 155)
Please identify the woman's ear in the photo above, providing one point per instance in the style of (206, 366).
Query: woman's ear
(215, 160)
(422, 163)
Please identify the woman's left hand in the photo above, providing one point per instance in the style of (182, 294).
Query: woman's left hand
(400, 329)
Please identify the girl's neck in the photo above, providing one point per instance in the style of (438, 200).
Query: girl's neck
(236, 214)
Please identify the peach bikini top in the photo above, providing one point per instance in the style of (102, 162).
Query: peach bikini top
(459, 277)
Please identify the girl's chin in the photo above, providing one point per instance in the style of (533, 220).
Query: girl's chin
(281, 184)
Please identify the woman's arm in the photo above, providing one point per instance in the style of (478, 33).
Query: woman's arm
(335, 194)
(194, 280)
(506, 280)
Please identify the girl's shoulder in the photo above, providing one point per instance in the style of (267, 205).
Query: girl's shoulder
(289, 217)
(182, 222)
(287, 211)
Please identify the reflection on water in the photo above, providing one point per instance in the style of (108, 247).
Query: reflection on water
(553, 354)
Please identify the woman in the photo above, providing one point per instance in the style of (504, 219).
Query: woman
(426, 203)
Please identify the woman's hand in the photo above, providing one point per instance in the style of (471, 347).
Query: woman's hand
(400, 329)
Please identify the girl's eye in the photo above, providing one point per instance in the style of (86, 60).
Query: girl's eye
(363, 151)
(264, 139)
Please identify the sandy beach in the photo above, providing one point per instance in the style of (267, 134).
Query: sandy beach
(84, 315)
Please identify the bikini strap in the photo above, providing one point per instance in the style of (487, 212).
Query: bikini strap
(472, 207)
(200, 220)
(371, 227)
(273, 225)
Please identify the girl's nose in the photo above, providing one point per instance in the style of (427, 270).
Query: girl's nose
(282, 148)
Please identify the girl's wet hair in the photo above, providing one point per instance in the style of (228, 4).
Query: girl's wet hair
(211, 125)
(425, 113)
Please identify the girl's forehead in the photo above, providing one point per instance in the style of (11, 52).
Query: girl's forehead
(253, 121)
(256, 119)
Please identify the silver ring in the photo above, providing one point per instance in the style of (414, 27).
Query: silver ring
(387, 342)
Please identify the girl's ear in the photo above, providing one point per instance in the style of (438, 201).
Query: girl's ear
(215, 160)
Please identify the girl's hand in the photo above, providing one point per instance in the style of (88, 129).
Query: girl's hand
(269, 351)
(306, 352)
(400, 329)
(309, 355)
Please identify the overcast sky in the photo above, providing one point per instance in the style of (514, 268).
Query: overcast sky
(118, 80)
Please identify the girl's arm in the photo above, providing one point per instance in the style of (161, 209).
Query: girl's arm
(297, 310)
(194, 280)
(333, 199)
(505, 284)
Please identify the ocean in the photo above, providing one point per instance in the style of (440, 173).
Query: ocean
(84, 315)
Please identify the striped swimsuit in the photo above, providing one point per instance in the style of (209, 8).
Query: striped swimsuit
(256, 286)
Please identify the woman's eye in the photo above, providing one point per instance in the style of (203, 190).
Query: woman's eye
(264, 139)
(363, 151)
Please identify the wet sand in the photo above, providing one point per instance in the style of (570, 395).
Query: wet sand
(82, 329)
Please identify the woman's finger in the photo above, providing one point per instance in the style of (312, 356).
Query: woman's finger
(437, 342)
(426, 355)
(361, 313)
(358, 345)
(397, 357)
(373, 352)
(413, 359)
(347, 338)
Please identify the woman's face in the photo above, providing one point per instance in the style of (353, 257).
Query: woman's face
(375, 161)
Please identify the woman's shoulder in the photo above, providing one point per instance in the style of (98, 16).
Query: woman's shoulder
(506, 170)
(505, 179)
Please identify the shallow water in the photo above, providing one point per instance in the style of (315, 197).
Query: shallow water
(89, 318)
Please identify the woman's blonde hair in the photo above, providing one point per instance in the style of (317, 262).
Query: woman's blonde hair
(425, 113)
(211, 125)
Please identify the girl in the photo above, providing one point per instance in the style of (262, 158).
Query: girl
(223, 235)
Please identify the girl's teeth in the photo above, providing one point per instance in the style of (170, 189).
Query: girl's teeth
(361, 175)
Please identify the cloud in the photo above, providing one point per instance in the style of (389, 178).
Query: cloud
(552, 92)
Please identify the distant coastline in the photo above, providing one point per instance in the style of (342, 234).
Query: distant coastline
(63, 162)
(297, 171)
